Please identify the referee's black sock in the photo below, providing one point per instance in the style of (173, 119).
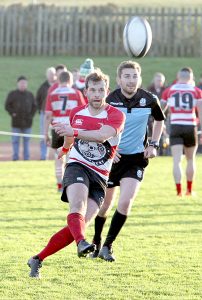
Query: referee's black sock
(99, 224)
(117, 223)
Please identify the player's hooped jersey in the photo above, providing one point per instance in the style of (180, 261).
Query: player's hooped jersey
(182, 99)
(61, 101)
(94, 155)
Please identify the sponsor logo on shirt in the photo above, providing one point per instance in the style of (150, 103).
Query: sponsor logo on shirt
(79, 122)
(142, 102)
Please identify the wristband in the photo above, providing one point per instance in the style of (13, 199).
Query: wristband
(75, 133)
(154, 144)
(65, 150)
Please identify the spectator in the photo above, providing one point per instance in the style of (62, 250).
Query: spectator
(41, 101)
(157, 87)
(199, 85)
(21, 106)
(85, 69)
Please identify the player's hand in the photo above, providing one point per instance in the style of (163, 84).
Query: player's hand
(117, 158)
(63, 129)
(60, 152)
(150, 152)
(47, 140)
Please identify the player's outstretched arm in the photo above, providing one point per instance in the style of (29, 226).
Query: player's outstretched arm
(101, 135)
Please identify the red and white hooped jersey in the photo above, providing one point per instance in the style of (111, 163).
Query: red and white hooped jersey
(182, 100)
(61, 101)
(94, 155)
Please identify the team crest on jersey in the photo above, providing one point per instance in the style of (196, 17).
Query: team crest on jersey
(143, 102)
(93, 152)
(139, 173)
(79, 122)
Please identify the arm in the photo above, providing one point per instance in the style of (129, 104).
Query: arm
(157, 130)
(164, 105)
(47, 122)
(9, 105)
(68, 141)
(34, 105)
(101, 135)
(199, 107)
(151, 151)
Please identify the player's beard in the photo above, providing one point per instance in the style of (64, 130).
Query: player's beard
(129, 91)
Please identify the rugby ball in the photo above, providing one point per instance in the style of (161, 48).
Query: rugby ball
(137, 37)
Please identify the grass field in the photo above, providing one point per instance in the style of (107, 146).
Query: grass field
(150, 3)
(158, 251)
(34, 68)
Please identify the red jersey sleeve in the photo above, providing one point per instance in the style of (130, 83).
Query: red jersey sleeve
(116, 119)
(165, 94)
(81, 99)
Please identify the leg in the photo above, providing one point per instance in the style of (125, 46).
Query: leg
(190, 153)
(59, 170)
(129, 188)
(177, 152)
(43, 147)
(101, 218)
(15, 143)
(26, 142)
(63, 238)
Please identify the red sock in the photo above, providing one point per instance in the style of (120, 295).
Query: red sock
(189, 186)
(179, 188)
(76, 223)
(59, 185)
(57, 242)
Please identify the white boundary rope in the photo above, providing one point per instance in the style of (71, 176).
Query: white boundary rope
(22, 134)
(39, 136)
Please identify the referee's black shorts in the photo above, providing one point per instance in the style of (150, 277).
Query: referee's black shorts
(183, 135)
(131, 166)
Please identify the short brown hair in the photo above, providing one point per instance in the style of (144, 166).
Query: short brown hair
(65, 77)
(96, 77)
(129, 64)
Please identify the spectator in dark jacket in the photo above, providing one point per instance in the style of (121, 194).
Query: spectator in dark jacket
(21, 106)
(157, 87)
(41, 101)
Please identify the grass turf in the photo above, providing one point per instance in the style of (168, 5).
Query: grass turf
(158, 250)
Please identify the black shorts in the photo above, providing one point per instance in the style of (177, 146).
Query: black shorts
(131, 166)
(183, 135)
(78, 173)
(57, 141)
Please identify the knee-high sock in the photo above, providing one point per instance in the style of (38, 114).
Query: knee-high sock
(98, 225)
(117, 223)
(57, 242)
(76, 223)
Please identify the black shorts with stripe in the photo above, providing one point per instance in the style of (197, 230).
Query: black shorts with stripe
(131, 165)
(78, 173)
(57, 141)
(183, 135)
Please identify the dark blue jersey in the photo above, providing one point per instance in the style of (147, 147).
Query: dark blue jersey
(137, 111)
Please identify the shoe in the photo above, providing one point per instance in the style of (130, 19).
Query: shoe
(179, 194)
(83, 248)
(188, 193)
(35, 264)
(95, 253)
(106, 254)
